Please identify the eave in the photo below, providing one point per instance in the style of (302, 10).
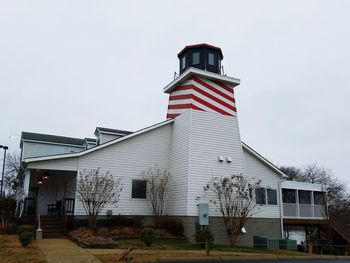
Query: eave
(200, 73)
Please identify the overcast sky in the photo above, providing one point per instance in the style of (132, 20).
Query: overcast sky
(69, 66)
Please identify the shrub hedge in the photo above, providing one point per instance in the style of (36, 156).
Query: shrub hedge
(147, 236)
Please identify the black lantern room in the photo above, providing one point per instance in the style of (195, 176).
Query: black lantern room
(201, 56)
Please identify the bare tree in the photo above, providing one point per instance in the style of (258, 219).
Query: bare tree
(233, 198)
(95, 190)
(12, 184)
(157, 184)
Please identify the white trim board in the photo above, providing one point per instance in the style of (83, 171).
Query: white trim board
(265, 161)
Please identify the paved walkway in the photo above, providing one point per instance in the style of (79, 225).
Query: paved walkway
(57, 250)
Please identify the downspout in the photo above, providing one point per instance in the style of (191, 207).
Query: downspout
(281, 207)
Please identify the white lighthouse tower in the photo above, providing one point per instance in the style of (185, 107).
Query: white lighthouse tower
(205, 136)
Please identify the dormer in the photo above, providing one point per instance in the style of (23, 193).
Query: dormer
(104, 135)
(89, 143)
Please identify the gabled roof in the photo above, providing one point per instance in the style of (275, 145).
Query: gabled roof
(263, 159)
(39, 137)
(113, 131)
(200, 73)
(96, 148)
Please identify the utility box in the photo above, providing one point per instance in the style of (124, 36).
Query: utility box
(264, 242)
(203, 214)
(288, 244)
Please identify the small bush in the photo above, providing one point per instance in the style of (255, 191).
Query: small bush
(173, 226)
(7, 212)
(25, 228)
(203, 235)
(25, 238)
(11, 229)
(147, 236)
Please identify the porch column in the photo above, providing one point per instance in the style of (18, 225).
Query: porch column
(297, 202)
(39, 231)
(312, 204)
(26, 182)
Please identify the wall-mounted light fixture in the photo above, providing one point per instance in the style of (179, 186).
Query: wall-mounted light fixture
(46, 176)
(40, 181)
(229, 159)
(220, 158)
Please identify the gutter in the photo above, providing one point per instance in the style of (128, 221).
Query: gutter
(281, 207)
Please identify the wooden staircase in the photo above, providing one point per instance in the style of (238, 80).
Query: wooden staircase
(340, 225)
(52, 226)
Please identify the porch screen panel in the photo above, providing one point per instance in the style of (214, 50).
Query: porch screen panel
(320, 204)
(305, 207)
(289, 203)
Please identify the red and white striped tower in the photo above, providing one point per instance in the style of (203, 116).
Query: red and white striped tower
(200, 85)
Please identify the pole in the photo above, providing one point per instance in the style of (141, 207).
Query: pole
(3, 170)
(207, 247)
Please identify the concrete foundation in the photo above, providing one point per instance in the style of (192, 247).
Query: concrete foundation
(255, 226)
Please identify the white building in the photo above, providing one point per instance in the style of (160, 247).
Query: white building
(199, 139)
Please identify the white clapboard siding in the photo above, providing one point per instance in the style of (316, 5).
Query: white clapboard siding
(107, 137)
(212, 135)
(179, 159)
(66, 164)
(127, 159)
(36, 149)
(255, 168)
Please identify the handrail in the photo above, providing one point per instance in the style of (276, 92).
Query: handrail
(340, 227)
(28, 200)
(69, 205)
(68, 208)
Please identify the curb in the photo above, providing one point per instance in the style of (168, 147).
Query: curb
(204, 259)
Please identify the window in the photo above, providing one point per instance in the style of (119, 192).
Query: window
(195, 58)
(139, 189)
(183, 62)
(260, 196)
(211, 59)
(288, 196)
(271, 196)
(319, 198)
(304, 197)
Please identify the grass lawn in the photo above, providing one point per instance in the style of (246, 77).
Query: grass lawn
(11, 251)
(184, 244)
(175, 248)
